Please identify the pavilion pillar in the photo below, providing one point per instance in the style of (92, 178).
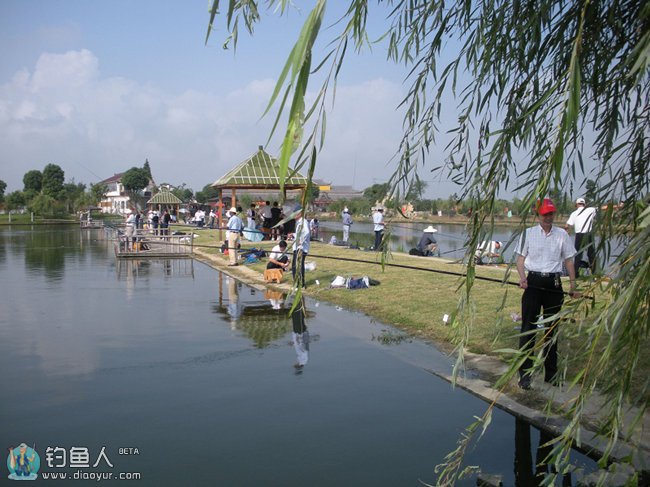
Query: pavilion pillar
(219, 217)
(234, 198)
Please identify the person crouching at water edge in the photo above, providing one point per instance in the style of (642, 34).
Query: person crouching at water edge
(300, 247)
(278, 258)
(488, 252)
(235, 227)
(541, 252)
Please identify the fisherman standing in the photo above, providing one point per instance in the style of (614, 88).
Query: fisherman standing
(541, 252)
(347, 221)
(582, 220)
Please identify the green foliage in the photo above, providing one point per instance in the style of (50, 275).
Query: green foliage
(147, 169)
(182, 193)
(33, 180)
(15, 200)
(53, 179)
(376, 192)
(3, 187)
(47, 207)
(135, 179)
(97, 192)
(206, 193)
(357, 206)
(73, 196)
(29, 195)
(528, 79)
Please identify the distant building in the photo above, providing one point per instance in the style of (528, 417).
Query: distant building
(116, 200)
(330, 193)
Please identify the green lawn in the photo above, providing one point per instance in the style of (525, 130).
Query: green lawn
(415, 300)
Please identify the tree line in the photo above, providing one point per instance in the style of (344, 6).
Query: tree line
(47, 194)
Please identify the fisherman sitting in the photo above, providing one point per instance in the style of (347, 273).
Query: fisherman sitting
(427, 244)
(488, 252)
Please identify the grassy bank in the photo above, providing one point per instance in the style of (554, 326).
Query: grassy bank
(415, 297)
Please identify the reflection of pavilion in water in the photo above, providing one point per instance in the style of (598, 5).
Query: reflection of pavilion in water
(138, 268)
(263, 315)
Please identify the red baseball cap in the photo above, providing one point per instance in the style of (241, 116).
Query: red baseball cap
(546, 207)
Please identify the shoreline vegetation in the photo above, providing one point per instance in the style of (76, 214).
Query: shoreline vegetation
(412, 300)
(414, 295)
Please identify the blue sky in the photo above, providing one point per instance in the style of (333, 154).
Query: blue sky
(97, 87)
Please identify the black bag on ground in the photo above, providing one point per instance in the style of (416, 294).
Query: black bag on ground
(415, 251)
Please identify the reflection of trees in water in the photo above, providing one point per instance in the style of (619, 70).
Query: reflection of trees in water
(46, 249)
(259, 322)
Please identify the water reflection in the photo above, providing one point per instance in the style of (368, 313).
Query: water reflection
(528, 473)
(262, 319)
(300, 335)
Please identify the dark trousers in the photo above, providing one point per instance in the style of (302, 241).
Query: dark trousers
(585, 241)
(298, 255)
(542, 293)
(272, 265)
(379, 235)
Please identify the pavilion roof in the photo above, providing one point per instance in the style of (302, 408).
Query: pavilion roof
(164, 197)
(260, 171)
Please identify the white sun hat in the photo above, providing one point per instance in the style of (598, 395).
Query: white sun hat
(430, 229)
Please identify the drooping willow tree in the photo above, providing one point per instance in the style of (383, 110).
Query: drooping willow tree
(544, 90)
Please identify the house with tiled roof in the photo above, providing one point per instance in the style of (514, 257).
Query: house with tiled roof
(117, 200)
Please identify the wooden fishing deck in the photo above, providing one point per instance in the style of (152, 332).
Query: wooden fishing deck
(147, 244)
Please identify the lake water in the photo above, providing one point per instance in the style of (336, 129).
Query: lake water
(196, 371)
(404, 236)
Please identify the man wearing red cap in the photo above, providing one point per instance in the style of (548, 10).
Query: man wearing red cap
(541, 252)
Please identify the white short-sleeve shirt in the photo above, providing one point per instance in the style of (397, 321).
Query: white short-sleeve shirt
(545, 252)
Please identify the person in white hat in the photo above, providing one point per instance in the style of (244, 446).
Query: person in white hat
(427, 244)
(347, 221)
(582, 220)
(235, 227)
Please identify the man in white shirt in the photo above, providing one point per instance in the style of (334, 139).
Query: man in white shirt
(267, 216)
(300, 247)
(488, 251)
(347, 221)
(235, 227)
(278, 258)
(582, 220)
(541, 252)
(378, 220)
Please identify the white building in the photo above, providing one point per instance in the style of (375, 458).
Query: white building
(116, 200)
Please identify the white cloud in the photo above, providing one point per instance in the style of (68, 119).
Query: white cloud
(64, 112)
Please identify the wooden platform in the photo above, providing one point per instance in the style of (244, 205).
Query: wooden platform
(148, 245)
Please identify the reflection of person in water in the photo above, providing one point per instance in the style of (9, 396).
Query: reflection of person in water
(234, 308)
(300, 335)
(527, 474)
(276, 298)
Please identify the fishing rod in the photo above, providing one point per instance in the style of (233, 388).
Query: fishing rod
(404, 266)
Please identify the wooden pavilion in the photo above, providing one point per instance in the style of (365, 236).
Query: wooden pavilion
(259, 172)
(164, 199)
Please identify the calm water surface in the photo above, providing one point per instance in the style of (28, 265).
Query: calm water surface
(195, 370)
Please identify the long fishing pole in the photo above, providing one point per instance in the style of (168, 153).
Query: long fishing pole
(386, 264)
(404, 266)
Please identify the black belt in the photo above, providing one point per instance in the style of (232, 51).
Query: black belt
(545, 274)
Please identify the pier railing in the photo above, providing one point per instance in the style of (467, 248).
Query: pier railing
(150, 243)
